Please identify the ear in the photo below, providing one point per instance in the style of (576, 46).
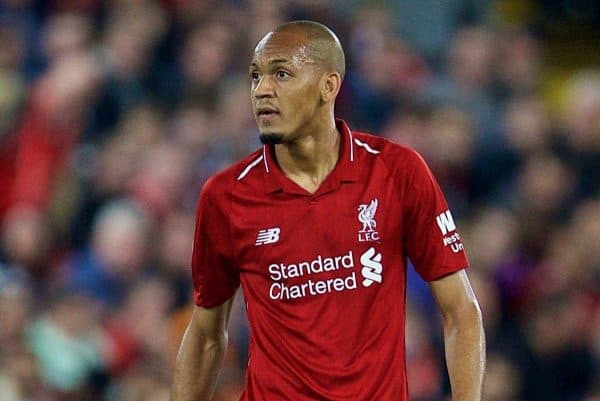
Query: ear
(330, 86)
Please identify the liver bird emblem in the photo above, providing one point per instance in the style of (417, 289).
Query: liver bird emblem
(366, 215)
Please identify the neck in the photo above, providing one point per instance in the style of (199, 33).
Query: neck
(309, 159)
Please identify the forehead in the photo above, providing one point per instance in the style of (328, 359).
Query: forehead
(293, 47)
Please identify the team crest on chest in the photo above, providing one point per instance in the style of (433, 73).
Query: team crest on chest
(366, 215)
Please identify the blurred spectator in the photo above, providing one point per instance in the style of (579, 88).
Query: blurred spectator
(142, 385)
(65, 342)
(581, 133)
(451, 143)
(17, 308)
(174, 247)
(266, 15)
(129, 40)
(503, 380)
(117, 254)
(407, 127)
(107, 169)
(423, 367)
(64, 34)
(525, 132)
(467, 83)
(543, 193)
(370, 75)
(556, 364)
(27, 245)
(49, 130)
(236, 121)
(519, 64)
(494, 235)
(441, 20)
(126, 332)
(20, 379)
(203, 62)
(161, 183)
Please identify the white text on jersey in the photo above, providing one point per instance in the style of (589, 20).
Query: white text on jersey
(446, 222)
(344, 275)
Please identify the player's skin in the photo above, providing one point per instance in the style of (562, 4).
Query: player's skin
(295, 80)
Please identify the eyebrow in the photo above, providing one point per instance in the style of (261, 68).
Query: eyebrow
(273, 61)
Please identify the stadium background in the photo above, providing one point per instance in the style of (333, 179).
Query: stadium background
(113, 113)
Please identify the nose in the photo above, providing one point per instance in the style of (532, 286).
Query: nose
(264, 88)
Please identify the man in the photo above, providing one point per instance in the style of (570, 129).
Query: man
(317, 226)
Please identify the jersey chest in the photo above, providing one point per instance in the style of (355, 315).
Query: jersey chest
(305, 246)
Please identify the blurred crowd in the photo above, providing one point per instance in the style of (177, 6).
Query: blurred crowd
(114, 113)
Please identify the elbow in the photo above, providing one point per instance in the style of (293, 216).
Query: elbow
(197, 339)
(216, 344)
(465, 314)
(473, 310)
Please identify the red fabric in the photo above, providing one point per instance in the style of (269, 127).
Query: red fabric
(325, 291)
(31, 159)
(122, 349)
(8, 149)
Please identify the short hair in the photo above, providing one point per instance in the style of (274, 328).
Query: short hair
(323, 44)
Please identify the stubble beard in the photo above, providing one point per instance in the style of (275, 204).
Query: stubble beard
(272, 138)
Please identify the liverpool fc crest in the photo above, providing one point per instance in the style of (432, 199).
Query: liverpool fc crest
(366, 215)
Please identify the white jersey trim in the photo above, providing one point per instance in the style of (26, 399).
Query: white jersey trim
(351, 146)
(264, 156)
(366, 146)
(265, 159)
(250, 167)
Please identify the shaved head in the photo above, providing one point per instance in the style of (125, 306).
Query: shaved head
(321, 46)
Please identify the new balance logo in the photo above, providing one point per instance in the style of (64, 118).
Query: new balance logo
(446, 222)
(267, 236)
(371, 267)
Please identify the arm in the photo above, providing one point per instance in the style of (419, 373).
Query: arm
(463, 335)
(200, 354)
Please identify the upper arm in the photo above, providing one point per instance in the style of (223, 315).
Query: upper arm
(431, 238)
(211, 323)
(454, 294)
(214, 274)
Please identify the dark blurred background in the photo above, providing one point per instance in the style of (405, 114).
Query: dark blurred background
(114, 113)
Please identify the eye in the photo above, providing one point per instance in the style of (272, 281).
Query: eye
(255, 76)
(281, 74)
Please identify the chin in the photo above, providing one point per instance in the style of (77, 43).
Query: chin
(271, 138)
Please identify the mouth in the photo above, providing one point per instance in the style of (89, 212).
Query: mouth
(267, 113)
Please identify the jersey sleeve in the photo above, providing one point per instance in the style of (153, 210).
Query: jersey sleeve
(213, 271)
(432, 241)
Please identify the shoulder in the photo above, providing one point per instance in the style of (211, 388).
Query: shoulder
(396, 157)
(244, 172)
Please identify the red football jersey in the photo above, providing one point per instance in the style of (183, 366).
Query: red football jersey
(324, 274)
